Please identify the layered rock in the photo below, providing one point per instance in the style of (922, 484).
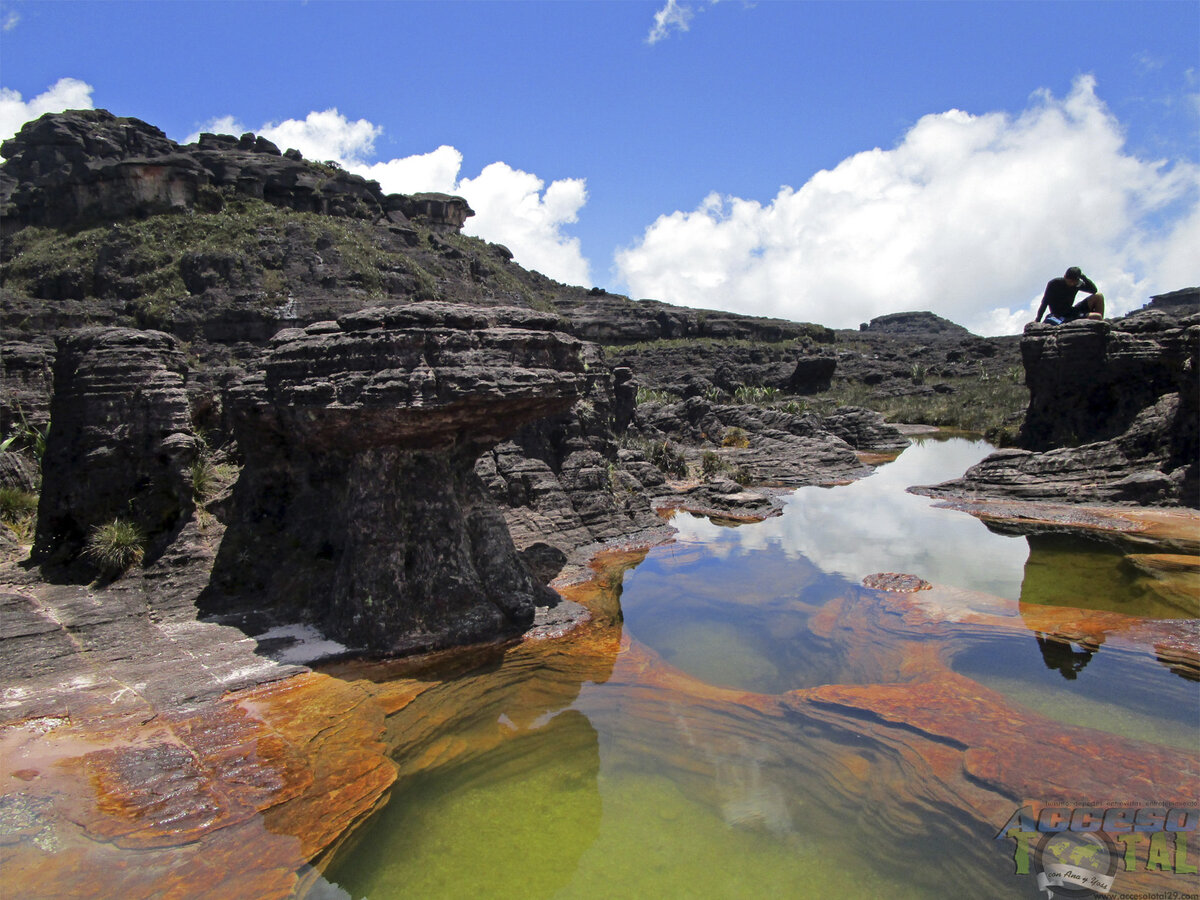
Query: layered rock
(1114, 416)
(563, 483)
(773, 446)
(120, 443)
(89, 165)
(358, 507)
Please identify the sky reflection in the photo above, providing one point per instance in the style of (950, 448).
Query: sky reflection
(875, 525)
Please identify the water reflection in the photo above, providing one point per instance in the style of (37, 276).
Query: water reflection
(1089, 573)
(1058, 654)
(875, 525)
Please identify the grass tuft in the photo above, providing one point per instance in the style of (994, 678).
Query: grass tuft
(116, 546)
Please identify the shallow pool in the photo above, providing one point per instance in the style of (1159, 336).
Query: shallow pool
(633, 763)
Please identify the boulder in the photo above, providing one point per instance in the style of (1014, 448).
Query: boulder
(358, 508)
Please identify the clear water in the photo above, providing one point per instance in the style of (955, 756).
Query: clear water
(587, 770)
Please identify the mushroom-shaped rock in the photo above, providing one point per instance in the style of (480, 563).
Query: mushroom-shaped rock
(358, 507)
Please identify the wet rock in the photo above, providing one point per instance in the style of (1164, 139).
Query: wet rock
(120, 444)
(358, 507)
(896, 583)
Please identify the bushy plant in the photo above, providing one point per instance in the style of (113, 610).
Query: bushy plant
(668, 459)
(115, 546)
(735, 437)
(757, 395)
(18, 512)
(650, 395)
(712, 464)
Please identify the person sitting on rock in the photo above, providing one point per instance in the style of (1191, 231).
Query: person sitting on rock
(1060, 299)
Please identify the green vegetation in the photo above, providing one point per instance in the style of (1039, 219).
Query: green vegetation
(988, 405)
(18, 512)
(650, 395)
(757, 395)
(735, 437)
(144, 261)
(115, 546)
(210, 477)
(711, 464)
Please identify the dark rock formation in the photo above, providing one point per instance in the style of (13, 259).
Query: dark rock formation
(563, 481)
(358, 507)
(120, 443)
(1177, 304)
(1114, 416)
(89, 165)
(914, 323)
(26, 374)
(442, 212)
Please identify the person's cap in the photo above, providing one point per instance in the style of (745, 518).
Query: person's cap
(1074, 272)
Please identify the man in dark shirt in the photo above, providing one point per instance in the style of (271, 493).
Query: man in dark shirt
(1060, 299)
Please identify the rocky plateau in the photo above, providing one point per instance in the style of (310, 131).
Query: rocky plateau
(345, 431)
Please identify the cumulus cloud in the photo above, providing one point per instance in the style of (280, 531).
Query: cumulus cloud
(433, 171)
(512, 203)
(968, 216)
(66, 93)
(512, 207)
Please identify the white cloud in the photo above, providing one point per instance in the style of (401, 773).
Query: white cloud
(967, 216)
(512, 207)
(11, 20)
(326, 135)
(433, 171)
(66, 93)
(673, 15)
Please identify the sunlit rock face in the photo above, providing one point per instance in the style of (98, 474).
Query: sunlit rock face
(121, 444)
(358, 507)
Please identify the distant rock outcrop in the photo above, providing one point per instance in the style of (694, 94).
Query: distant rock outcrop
(120, 444)
(87, 166)
(914, 323)
(358, 507)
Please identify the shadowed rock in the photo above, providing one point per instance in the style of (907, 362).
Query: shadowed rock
(358, 507)
(120, 443)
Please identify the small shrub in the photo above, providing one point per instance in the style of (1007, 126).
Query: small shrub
(650, 395)
(735, 437)
(712, 464)
(669, 460)
(210, 477)
(755, 394)
(116, 546)
(18, 512)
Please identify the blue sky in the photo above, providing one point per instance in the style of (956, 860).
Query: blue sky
(820, 161)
